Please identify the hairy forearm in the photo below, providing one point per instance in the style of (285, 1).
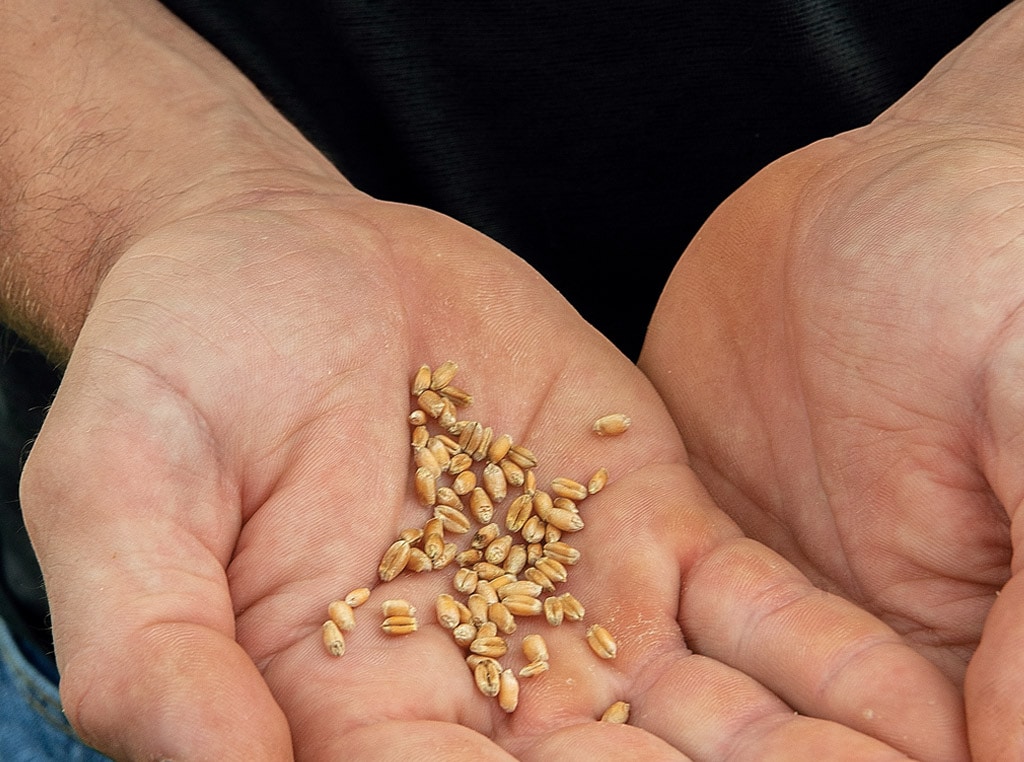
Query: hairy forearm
(117, 119)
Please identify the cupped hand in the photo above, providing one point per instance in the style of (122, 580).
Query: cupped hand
(230, 451)
(842, 347)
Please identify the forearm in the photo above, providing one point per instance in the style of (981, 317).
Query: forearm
(118, 119)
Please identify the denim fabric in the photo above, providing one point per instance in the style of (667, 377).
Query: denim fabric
(32, 726)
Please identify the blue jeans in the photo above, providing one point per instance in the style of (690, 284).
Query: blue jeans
(32, 726)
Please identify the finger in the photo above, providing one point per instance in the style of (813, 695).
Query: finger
(143, 622)
(745, 605)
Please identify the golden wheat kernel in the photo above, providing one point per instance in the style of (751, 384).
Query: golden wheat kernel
(455, 521)
(508, 691)
(530, 482)
(417, 418)
(485, 535)
(514, 475)
(443, 375)
(535, 575)
(473, 659)
(501, 617)
(565, 504)
(448, 415)
(534, 668)
(459, 463)
(447, 555)
(523, 605)
(617, 713)
(419, 561)
(520, 587)
(447, 611)
(611, 425)
(497, 550)
(480, 506)
(465, 615)
(597, 483)
(420, 436)
(440, 452)
(433, 538)
(421, 380)
(515, 561)
(424, 458)
(533, 529)
(572, 608)
(487, 570)
(535, 648)
(552, 533)
(553, 610)
(425, 485)
(399, 625)
(431, 403)
(494, 482)
(357, 597)
(499, 448)
(397, 607)
(487, 630)
(534, 551)
(459, 397)
(542, 504)
(567, 521)
(469, 557)
(487, 675)
(563, 486)
(464, 634)
(518, 512)
(411, 535)
(562, 551)
(601, 641)
(334, 641)
(464, 483)
(342, 615)
(394, 560)
(522, 456)
(465, 580)
(494, 646)
(499, 582)
(484, 588)
(480, 451)
(448, 496)
(477, 609)
(552, 569)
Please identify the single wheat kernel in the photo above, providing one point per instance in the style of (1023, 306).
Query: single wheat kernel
(433, 538)
(563, 486)
(420, 435)
(487, 630)
(485, 535)
(553, 610)
(394, 560)
(552, 569)
(440, 452)
(533, 529)
(508, 691)
(499, 582)
(552, 533)
(342, 615)
(480, 451)
(334, 641)
(411, 535)
(534, 648)
(464, 483)
(499, 448)
(421, 381)
(419, 561)
(465, 580)
(397, 607)
(447, 611)
(465, 615)
(484, 588)
(459, 397)
(454, 520)
(449, 444)
(611, 425)
(399, 625)
(494, 482)
(357, 597)
(487, 570)
(601, 641)
(469, 557)
(448, 496)
(431, 403)
(502, 618)
(487, 675)
(464, 634)
(523, 605)
(473, 659)
(425, 484)
(449, 414)
(597, 483)
(542, 504)
(480, 505)
(497, 550)
(458, 463)
(443, 375)
(522, 587)
(572, 608)
(534, 551)
(535, 575)
(534, 668)
(515, 562)
(617, 713)
(565, 504)
(424, 458)
(522, 456)
(518, 512)
(514, 475)
(477, 609)
(417, 418)
(562, 551)
(565, 520)
(495, 647)
(447, 555)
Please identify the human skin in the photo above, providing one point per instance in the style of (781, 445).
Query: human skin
(841, 348)
(229, 451)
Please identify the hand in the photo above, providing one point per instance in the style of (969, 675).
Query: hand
(229, 452)
(841, 347)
